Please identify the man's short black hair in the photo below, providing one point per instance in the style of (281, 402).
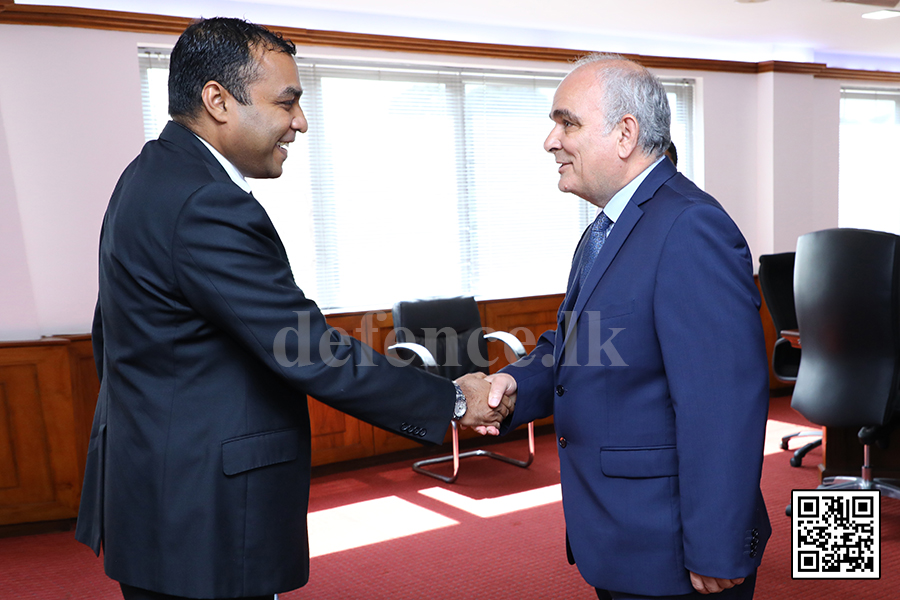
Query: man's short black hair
(222, 50)
(672, 153)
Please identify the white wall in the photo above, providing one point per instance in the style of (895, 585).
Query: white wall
(70, 121)
(17, 310)
(806, 120)
(731, 152)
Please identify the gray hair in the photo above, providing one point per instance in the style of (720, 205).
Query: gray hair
(629, 88)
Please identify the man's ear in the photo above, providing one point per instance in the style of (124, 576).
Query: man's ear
(216, 100)
(628, 131)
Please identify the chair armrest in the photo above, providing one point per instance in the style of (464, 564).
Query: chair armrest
(510, 340)
(419, 350)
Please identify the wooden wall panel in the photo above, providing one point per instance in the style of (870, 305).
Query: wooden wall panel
(379, 328)
(527, 319)
(85, 389)
(37, 437)
(337, 436)
(8, 471)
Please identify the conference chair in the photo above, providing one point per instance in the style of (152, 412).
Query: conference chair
(445, 337)
(776, 280)
(847, 296)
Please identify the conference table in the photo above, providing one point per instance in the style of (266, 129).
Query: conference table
(842, 453)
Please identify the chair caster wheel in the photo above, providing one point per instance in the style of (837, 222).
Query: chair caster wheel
(796, 462)
(787, 511)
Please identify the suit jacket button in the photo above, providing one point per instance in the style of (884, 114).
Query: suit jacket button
(562, 442)
(753, 554)
(560, 390)
(422, 432)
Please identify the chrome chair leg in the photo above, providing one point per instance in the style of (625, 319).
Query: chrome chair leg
(457, 456)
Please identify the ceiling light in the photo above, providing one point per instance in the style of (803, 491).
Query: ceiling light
(881, 14)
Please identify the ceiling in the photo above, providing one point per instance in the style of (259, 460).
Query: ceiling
(821, 31)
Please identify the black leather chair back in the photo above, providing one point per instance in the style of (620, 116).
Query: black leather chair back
(776, 280)
(450, 328)
(848, 307)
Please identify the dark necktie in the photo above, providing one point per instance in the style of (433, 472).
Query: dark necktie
(599, 228)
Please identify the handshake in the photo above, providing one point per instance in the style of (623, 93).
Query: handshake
(489, 398)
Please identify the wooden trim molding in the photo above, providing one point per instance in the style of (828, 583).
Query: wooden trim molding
(859, 75)
(774, 66)
(63, 16)
(59, 16)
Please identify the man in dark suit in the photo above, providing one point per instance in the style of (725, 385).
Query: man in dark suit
(656, 377)
(198, 472)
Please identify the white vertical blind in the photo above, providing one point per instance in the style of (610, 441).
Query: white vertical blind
(420, 181)
(154, 65)
(681, 102)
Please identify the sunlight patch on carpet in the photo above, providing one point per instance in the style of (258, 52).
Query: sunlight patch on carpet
(369, 522)
(775, 430)
(493, 507)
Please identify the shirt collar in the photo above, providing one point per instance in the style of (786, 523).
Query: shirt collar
(616, 205)
(232, 171)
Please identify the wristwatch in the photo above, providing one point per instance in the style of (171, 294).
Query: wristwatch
(459, 410)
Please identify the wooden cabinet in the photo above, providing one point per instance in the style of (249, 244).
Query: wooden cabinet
(41, 442)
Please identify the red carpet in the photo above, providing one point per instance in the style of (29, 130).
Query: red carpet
(498, 533)
(779, 478)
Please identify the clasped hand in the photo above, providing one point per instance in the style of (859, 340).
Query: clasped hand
(490, 399)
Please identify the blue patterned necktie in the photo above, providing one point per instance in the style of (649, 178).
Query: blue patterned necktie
(599, 228)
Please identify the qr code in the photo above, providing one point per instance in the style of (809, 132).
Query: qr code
(835, 534)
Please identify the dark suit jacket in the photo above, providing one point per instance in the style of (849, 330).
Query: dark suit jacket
(661, 427)
(197, 479)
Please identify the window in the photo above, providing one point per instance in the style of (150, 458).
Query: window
(681, 102)
(870, 126)
(420, 181)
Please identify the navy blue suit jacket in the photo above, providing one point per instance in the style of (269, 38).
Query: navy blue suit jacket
(657, 380)
(197, 478)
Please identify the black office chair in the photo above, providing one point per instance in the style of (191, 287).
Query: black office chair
(445, 337)
(776, 280)
(847, 296)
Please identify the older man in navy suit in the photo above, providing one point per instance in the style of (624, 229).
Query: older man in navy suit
(656, 375)
(197, 478)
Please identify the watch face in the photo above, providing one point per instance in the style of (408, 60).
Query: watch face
(460, 409)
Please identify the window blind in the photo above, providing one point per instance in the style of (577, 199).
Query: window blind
(418, 182)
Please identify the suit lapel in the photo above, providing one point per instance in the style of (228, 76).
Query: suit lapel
(614, 242)
(568, 302)
(627, 221)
